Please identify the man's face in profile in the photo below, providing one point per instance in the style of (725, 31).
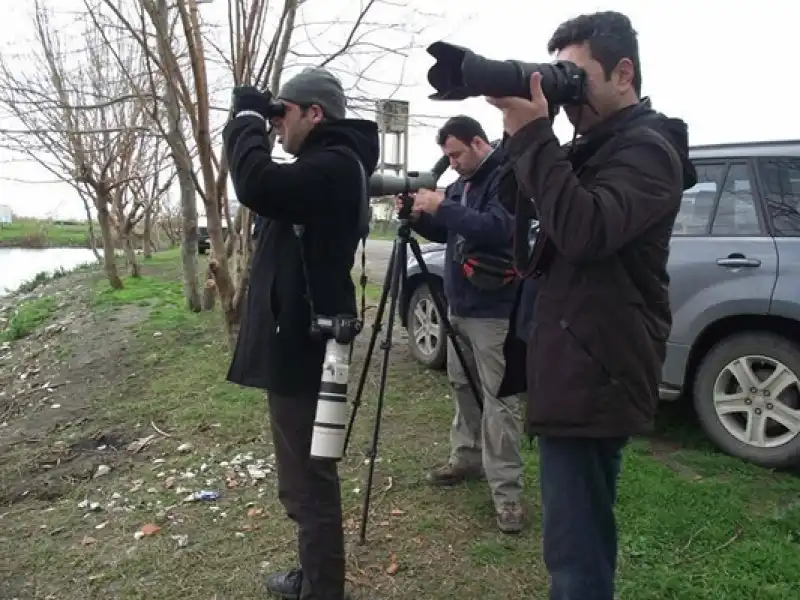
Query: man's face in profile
(294, 126)
(605, 95)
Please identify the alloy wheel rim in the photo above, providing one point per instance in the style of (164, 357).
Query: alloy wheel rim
(757, 400)
(425, 326)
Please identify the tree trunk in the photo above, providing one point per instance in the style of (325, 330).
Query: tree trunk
(147, 235)
(130, 253)
(209, 290)
(109, 255)
(183, 164)
(90, 234)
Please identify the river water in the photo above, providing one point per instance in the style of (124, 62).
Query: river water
(18, 265)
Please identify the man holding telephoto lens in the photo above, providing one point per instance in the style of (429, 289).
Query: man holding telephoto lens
(606, 206)
(313, 215)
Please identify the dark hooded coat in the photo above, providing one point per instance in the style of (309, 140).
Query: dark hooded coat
(322, 191)
(606, 208)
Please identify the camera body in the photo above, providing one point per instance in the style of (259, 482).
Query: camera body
(276, 107)
(343, 329)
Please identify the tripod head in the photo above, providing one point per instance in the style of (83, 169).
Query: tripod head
(412, 183)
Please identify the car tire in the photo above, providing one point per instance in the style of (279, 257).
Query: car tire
(423, 299)
(764, 353)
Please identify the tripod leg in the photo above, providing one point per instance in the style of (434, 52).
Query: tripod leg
(448, 327)
(396, 272)
(376, 327)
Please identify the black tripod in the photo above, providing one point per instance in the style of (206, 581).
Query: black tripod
(395, 276)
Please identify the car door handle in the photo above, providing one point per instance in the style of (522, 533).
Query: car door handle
(738, 260)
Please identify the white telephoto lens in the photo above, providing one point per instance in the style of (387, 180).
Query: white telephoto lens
(330, 423)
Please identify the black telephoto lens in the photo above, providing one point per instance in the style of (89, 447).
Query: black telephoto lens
(459, 73)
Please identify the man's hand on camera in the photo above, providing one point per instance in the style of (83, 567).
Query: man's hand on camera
(398, 206)
(518, 112)
(427, 201)
(251, 99)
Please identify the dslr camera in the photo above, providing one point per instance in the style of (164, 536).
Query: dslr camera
(276, 107)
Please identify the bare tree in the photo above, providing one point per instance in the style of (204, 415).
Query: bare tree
(80, 119)
(134, 203)
(255, 57)
(168, 220)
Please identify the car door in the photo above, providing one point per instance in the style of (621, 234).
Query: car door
(723, 262)
(779, 181)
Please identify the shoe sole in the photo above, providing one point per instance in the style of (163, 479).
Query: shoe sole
(510, 530)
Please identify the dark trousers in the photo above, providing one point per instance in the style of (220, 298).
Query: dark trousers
(309, 491)
(579, 487)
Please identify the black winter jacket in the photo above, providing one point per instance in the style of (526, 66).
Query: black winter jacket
(606, 209)
(322, 191)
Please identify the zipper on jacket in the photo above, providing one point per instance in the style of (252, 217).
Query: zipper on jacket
(566, 327)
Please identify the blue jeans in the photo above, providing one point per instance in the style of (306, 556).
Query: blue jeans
(579, 488)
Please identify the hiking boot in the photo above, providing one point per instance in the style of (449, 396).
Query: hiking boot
(451, 474)
(510, 517)
(286, 584)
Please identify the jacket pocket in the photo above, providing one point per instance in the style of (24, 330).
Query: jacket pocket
(584, 348)
(567, 380)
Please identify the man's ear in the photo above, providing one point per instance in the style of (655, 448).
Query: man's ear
(624, 73)
(317, 115)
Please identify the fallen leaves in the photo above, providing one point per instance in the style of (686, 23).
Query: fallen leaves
(147, 530)
(137, 446)
(393, 567)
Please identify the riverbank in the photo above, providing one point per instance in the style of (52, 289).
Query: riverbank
(114, 410)
(35, 233)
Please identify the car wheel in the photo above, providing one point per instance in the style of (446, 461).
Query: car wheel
(426, 333)
(747, 397)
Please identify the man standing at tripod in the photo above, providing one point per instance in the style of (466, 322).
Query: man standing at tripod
(480, 287)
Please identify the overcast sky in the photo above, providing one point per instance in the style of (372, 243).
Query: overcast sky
(721, 66)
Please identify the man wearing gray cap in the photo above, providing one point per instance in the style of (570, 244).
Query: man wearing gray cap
(312, 218)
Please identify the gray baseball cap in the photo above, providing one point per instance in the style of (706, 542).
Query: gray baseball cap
(315, 85)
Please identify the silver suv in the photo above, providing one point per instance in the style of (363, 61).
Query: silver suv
(734, 350)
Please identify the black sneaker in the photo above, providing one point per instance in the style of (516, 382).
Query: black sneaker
(286, 584)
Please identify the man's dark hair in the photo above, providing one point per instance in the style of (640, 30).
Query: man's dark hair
(463, 128)
(610, 36)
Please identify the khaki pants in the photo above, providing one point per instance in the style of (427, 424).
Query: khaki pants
(490, 440)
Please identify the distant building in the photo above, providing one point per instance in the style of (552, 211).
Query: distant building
(6, 215)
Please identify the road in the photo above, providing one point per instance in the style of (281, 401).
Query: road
(378, 253)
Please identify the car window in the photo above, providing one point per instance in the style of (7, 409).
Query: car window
(694, 217)
(737, 212)
(781, 181)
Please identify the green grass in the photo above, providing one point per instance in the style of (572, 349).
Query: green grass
(35, 233)
(694, 524)
(27, 317)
